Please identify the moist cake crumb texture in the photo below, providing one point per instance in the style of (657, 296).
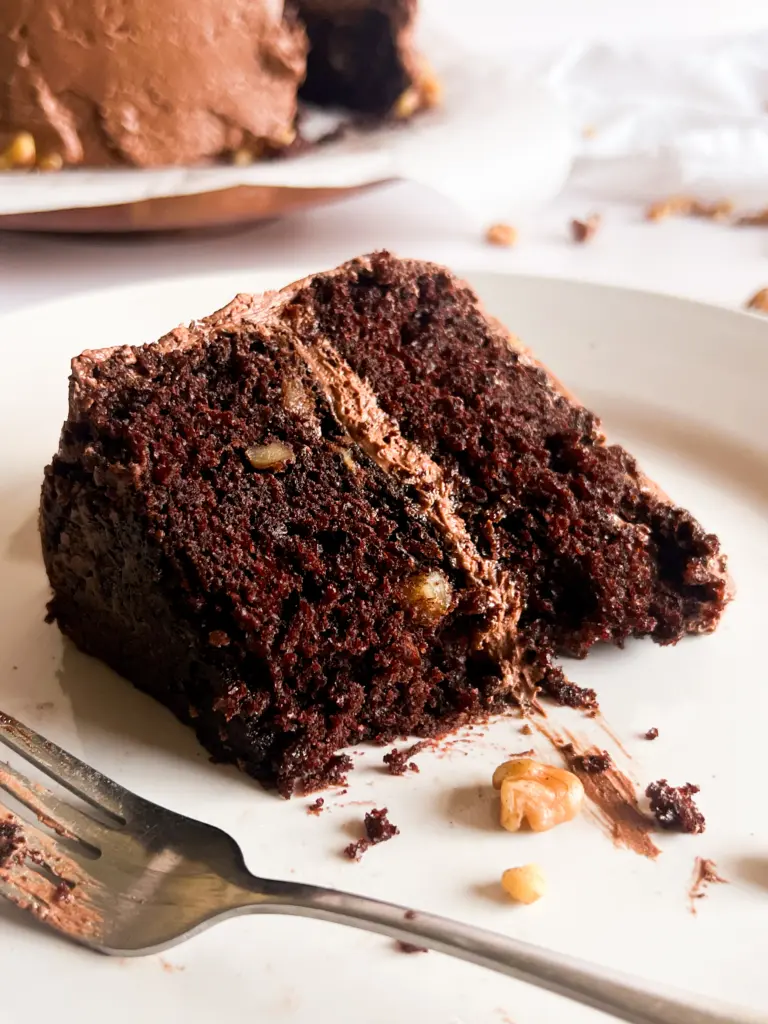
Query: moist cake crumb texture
(592, 764)
(397, 761)
(674, 807)
(449, 521)
(378, 829)
(11, 840)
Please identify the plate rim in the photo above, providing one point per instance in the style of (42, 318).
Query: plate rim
(471, 274)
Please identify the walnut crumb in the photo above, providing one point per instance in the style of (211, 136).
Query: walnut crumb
(759, 301)
(759, 219)
(689, 206)
(430, 88)
(502, 235)
(585, 230)
(50, 162)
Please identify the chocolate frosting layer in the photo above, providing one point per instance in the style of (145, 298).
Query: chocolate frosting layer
(149, 82)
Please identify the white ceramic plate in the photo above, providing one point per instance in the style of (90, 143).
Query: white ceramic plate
(683, 385)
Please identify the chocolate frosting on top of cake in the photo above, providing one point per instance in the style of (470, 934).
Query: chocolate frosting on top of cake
(149, 82)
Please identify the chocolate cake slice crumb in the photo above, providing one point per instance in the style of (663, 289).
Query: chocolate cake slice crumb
(378, 829)
(565, 693)
(409, 947)
(652, 734)
(674, 807)
(11, 840)
(705, 873)
(592, 764)
(399, 761)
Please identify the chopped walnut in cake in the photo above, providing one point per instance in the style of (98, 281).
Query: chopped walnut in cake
(274, 455)
(428, 596)
(19, 153)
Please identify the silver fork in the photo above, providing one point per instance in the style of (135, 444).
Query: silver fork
(152, 878)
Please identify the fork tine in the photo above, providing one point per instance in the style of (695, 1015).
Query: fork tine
(51, 811)
(54, 884)
(78, 777)
(16, 889)
(21, 896)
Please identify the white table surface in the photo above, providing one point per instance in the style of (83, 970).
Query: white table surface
(700, 260)
(696, 259)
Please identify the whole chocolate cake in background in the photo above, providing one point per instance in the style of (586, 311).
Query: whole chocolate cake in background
(148, 83)
(361, 54)
(349, 510)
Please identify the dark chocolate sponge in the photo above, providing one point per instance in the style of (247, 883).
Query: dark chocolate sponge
(360, 53)
(349, 510)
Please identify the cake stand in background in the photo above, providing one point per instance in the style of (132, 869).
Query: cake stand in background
(497, 145)
(238, 205)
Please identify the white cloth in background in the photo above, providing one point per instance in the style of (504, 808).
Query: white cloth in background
(665, 117)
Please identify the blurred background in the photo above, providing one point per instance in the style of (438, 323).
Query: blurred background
(554, 112)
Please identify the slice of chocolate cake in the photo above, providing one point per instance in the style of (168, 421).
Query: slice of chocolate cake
(349, 510)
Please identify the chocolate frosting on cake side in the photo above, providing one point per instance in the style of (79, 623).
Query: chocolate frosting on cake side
(149, 83)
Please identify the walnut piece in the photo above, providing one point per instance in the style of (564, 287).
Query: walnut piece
(585, 230)
(243, 157)
(754, 220)
(407, 103)
(269, 456)
(425, 93)
(541, 794)
(50, 162)
(525, 884)
(689, 206)
(759, 301)
(503, 235)
(429, 595)
(431, 89)
(20, 152)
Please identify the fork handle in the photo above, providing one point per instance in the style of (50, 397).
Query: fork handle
(621, 996)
